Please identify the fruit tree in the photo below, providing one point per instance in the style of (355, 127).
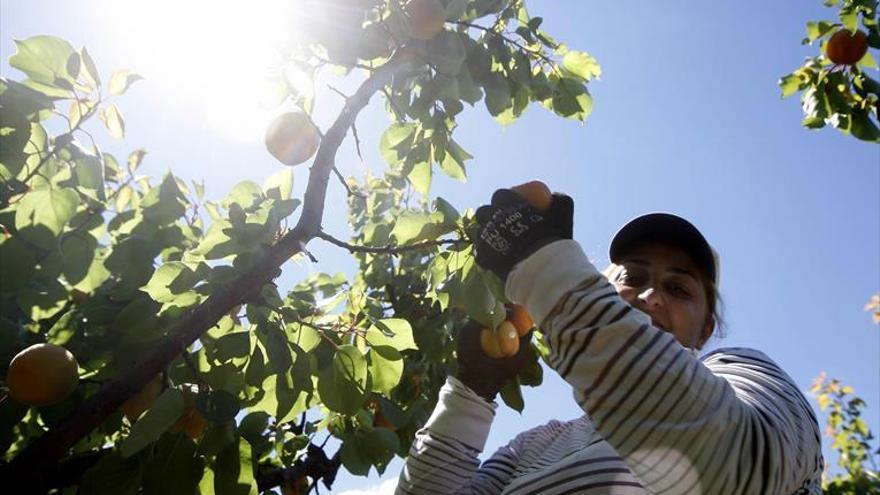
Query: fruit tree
(188, 359)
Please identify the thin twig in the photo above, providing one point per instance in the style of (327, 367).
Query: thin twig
(340, 93)
(357, 142)
(389, 249)
(345, 184)
(399, 115)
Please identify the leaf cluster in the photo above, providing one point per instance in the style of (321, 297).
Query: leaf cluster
(844, 97)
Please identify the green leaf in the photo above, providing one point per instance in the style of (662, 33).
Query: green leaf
(386, 368)
(816, 30)
(446, 53)
(582, 65)
(164, 412)
(113, 121)
(453, 161)
(232, 345)
(868, 61)
(91, 73)
(280, 184)
(20, 100)
(135, 159)
(850, 19)
(89, 173)
(790, 84)
(217, 406)
(450, 214)
(511, 394)
(121, 80)
(173, 468)
(42, 215)
(412, 227)
(245, 194)
(863, 128)
(498, 96)
(113, 475)
(78, 254)
(393, 332)
(45, 60)
(17, 263)
(233, 471)
(571, 99)
(170, 280)
(42, 299)
(396, 141)
(343, 384)
(420, 177)
(164, 204)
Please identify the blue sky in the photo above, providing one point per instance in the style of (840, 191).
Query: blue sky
(687, 119)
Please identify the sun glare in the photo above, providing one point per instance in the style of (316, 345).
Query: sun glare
(212, 56)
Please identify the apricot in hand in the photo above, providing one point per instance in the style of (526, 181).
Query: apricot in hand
(536, 193)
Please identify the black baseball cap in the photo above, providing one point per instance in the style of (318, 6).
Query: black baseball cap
(669, 228)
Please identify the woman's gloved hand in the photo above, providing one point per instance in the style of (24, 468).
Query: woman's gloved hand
(481, 373)
(511, 229)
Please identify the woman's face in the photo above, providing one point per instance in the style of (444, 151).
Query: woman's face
(664, 283)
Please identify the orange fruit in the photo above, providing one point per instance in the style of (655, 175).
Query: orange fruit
(42, 375)
(508, 338)
(141, 401)
(191, 422)
(490, 344)
(847, 48)
(298, 486)
(380, 421)
(292, 138)
(521, 319)
(500, 343)
(536, 193)
(425, 18)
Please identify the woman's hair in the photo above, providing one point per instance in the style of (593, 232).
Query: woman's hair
(713, 297)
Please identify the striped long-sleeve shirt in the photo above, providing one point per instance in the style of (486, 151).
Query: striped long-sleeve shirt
(657, 419)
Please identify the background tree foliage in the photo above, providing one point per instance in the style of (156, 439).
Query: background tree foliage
(139, 276)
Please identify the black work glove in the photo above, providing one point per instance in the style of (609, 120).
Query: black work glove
(511, 229)
(482, 374)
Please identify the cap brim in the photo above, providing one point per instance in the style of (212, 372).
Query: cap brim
(668, 228)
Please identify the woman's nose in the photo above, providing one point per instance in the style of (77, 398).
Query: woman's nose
(649, 297)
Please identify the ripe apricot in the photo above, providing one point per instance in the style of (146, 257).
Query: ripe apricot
(425, 18)
(298, 486)
(380, 421)
(500, 343)
(521, 319)
(536, 193)
(846, 48)
(508, 338)
(42, 375)
(490, 344)
(292, 138)
(141, 401)
(191, 422)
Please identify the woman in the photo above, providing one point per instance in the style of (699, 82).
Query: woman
(658, 419)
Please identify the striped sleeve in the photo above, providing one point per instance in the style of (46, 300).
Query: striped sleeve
(734, 424)
(443, 458)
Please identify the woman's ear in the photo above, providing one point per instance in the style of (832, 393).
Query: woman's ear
(707, 332)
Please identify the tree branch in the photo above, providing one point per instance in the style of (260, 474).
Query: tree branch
(44, 452)
(390, 249)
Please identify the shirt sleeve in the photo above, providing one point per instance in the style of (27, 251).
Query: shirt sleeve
(736, 424)
(443, 458)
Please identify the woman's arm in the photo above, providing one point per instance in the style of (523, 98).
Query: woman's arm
(443, 457)
(737, 424)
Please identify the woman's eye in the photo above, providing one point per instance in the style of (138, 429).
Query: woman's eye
(680, 290)
(631, 280)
